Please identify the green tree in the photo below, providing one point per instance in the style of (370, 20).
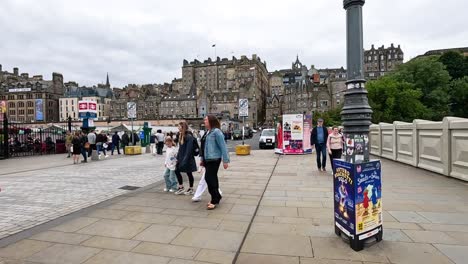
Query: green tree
(455, 64)
(393, 100)
(330, 118)
(459, 97)
(429, 76)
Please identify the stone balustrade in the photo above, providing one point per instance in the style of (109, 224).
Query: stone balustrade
(441, 147)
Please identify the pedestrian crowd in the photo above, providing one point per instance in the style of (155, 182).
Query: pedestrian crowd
(182, 150)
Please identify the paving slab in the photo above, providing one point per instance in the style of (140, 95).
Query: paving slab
(293, 223)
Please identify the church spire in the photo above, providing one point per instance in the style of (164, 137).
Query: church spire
(107, 80)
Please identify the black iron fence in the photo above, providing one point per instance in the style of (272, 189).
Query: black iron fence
(21, 140)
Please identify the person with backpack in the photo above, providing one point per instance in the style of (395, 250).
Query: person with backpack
(186, 158)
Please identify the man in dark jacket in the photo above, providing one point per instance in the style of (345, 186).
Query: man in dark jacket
(115, 143)
(319, 138)
(125, 141)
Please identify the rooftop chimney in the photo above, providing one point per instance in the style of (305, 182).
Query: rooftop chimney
(15, 71)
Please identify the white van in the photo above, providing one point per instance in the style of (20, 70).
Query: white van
(267, 139)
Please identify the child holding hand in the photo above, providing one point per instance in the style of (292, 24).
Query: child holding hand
(170, 164)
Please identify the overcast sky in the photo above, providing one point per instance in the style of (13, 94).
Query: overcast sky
(145, 41)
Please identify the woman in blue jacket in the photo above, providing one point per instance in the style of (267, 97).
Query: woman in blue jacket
(213, 151)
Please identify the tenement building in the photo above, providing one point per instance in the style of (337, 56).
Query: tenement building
(31, 99)
(377, 62)
(301, 92)
(219, 85)
(102, 95)
(147, 98)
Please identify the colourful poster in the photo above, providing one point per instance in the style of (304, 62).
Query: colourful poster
(307, 131)
(344, 196)
(2, 109)
(293, 134)
(368, 196)
(39, 110)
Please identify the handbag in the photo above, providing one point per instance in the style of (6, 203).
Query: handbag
(87, 145)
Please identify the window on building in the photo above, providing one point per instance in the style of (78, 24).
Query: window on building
(21, 104)
(12, 112)
(29, 96)
(323, 103)
(30, 111)
(21, 112)
(11, 97)
(11, 105)
(30, 104)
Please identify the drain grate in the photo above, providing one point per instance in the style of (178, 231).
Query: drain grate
(129, 188)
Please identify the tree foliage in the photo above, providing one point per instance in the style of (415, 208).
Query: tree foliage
(455, 63)
(459, 97)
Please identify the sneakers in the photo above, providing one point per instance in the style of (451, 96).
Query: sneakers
(189, 191)
(179, 191)
(106, 156)
(172, 190)
(195, 199)
(166, 190)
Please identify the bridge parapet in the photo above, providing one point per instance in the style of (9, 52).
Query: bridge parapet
(441, 147)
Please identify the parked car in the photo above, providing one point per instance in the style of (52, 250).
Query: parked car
(237, 134)
(267, 139)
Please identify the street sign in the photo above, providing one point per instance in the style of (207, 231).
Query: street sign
(243, 107)
(131, 110)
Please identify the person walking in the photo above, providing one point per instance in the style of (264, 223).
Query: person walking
(335, 145)
(115, 143)
(170, 164)
(92, 142)
(159, 142)
(213, 151)
(76, 147)
(68, 142)
(84, 147)
(319, 138)
(185, 159)
(101, 144)
(125, 141)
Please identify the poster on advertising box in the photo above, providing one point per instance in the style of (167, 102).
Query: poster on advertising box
(307, 131)
(368, 196)
(293, 134)
(344, 195)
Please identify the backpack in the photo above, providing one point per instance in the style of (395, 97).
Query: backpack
(196, 148)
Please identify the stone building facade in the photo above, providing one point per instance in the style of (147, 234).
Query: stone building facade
(377, 62)
(301, 92)
(102, 95)
(147, 97)
(31, 99)
(221, 83)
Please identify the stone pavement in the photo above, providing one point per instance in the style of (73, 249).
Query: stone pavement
(33, 194)
(281, 206)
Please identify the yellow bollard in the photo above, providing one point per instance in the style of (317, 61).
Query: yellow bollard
(243, 150)
(132, 150)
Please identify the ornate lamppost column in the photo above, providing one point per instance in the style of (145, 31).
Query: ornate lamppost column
(356, 113)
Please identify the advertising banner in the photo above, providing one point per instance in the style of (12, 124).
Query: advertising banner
(368, 196)
(293, 134)
(87, 109)
(307, 132)
(2, 109)
(39, 110)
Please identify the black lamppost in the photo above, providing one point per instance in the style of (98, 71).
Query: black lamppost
(356, 113)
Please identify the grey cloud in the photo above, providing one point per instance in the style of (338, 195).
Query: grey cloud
(146, 41)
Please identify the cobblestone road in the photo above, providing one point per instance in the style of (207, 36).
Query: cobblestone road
(34, 197)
